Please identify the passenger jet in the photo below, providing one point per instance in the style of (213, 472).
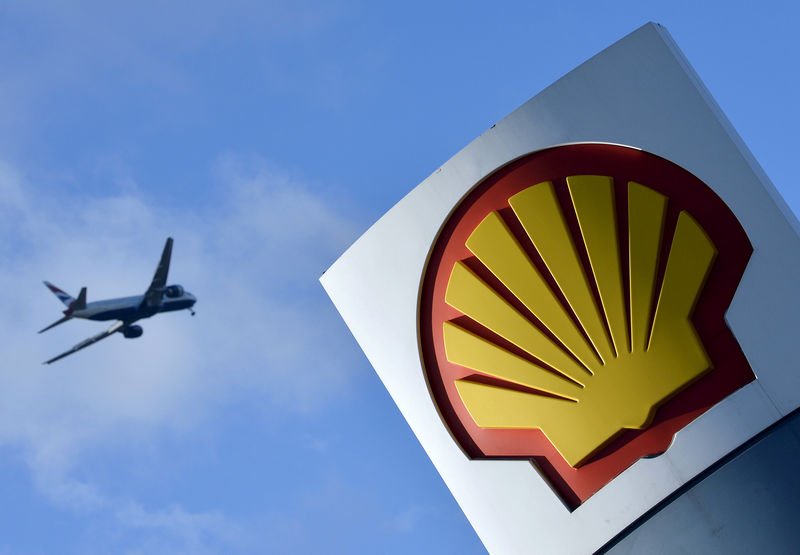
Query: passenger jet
(159, 297)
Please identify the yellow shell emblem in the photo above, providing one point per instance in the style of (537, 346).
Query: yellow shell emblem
(607, 368)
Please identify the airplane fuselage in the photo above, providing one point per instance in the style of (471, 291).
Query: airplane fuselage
(130, 309)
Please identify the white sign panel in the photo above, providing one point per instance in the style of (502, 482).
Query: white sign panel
(530, 485)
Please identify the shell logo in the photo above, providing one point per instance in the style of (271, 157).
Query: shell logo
(572, 312)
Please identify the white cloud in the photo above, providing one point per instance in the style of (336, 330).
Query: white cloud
(180, 531)
(262, 329)
(408, 519)
(128, 526)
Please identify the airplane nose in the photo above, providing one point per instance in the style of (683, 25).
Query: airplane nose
(190, 297)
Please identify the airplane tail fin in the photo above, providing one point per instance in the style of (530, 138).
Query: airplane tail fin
(71, 303)
(54, 324)
(63, 297)
(80, 303)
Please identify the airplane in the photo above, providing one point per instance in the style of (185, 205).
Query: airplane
(159, 297)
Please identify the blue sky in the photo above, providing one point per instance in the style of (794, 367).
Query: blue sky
(265, 136)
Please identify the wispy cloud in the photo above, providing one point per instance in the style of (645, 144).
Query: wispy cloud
(263, 329)
(130, 527)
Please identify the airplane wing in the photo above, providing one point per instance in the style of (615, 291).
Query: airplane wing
(113, 329)
(153, 294)
(57, 322)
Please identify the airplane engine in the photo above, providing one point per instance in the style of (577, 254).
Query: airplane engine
(132, 331)
(173, 291)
